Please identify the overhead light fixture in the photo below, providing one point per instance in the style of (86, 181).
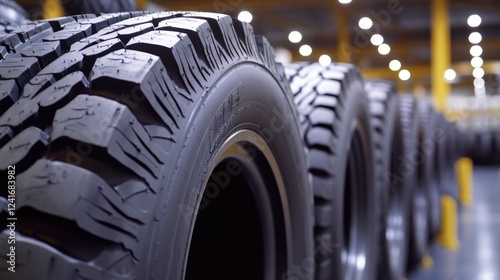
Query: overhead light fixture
(450, 75)
(394, 65)
(305, 50)
(476, 62)
(345, 1)
(325, 60)
(377, 39)
(365, 23)
(476, 50)
(474, 21)
(384, 49)
(479, 83)
(295, 37)
(478, 73)
(475, 38)
(245, 16)
(404, 75)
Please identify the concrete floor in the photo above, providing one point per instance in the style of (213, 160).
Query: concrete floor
(478, 257)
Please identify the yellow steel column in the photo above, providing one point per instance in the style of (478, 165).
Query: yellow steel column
(141, 4)
(440, 52)
(52, 9)
(343, 46)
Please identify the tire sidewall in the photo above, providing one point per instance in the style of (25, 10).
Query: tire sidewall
(239, 99)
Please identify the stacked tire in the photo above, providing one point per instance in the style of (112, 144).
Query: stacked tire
(171, 145)
(126, 137)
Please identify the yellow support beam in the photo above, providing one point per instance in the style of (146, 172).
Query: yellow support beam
(141, 4)
(343, 43)
(52, 9)
(440, 52)
(463, 171)
(448, 236)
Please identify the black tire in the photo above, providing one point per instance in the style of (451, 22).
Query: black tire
(128, 149)
(11, 14)
(389, 157)
(430, 141)
(451, 158)
(334, 114)
(415, 157)
(74, 7)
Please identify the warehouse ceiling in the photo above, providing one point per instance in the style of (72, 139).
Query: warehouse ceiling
(405, 25)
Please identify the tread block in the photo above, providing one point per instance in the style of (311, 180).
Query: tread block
(47, 261)
(23, 149)
(225, 34)
(58, 23)
(322, 117)
(6, 134)
(22, 69)
(146, 77)
(66, 37)
(36, 85)
(173, 49)
(110, 127)
(11, 41)
(9, 93)
(43, 106)
(97, 208)
(91, 54)
(33, 31)
(130, 32)
(200, 33)
(45, 52)
(67, 63)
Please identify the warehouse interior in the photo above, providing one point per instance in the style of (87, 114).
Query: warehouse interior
(446, 52)
(450, 49)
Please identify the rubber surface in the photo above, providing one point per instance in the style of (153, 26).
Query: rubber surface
(111, 122)
(390, 164)
(416, 157)
(74, 7)
(430, 139)
(330, 100)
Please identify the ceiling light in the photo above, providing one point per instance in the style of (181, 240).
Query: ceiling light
(365, 23)
(377, 39)
(479, 83)
(305, 50)
(345, 1)
(404, 75)
(474, 21)
(476, 62)
(450, 74)
(384, 49)
(478, 73)
(476, 50)
(245, 16)
(325, 60)
(395, 65)
(295, 36)
(475, 37)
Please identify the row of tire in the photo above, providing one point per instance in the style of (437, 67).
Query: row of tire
(111, 121)
(401, 153)
(483, 147)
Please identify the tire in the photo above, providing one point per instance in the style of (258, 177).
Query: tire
(128, 145)
(415, 156)
(74, 7)
(11, 14)
(449, 184)
(334, 114)
(430, 142)
(394, 202)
